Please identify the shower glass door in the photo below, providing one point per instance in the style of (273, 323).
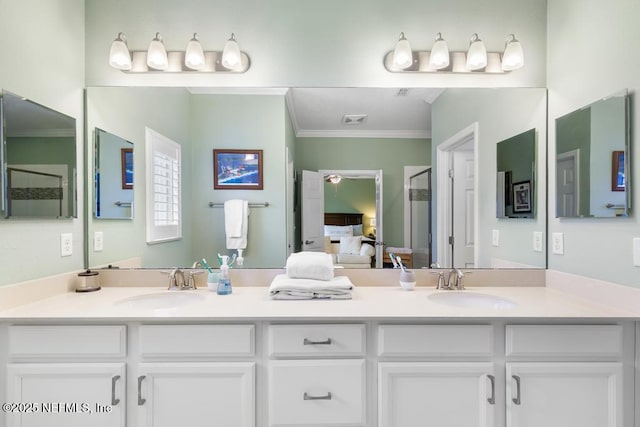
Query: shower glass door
(420, 202)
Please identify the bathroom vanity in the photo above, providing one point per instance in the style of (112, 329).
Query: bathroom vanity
(518, 356)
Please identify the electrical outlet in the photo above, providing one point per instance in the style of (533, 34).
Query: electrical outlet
(537, 241)
(66, 244)
(495, 237)
(98, 241)
(557, 243)
(636, 251)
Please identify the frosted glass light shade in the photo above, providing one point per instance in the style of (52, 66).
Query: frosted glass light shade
(119, 55)
(231, 56)
(477, 54)
(194, 56)
(402, 55)
(513, 57)
(439, 57)
(157, 54)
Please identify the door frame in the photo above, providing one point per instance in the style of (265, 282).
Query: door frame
(573, 155)
(444, 162)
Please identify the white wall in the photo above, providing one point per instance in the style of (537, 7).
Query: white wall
(42, 51)
(592, 48)
(316, 43)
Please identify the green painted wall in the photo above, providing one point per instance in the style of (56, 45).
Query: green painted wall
(390, 155)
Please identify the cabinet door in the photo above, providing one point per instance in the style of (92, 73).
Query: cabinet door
(66, 394)
(564, 394)
(436, 394)
(196, 394)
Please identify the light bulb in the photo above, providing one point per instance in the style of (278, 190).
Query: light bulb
(402, 55)
(513, 57)
(439, 57)
(157, 54)
(231, 56)
(194, 56)
(119, 55)
(477, 54)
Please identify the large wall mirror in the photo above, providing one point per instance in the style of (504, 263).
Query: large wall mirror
(38, 160)
(113, 176)
(306, 129)
(592, 179)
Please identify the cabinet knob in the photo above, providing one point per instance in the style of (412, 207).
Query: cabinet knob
(307, 396)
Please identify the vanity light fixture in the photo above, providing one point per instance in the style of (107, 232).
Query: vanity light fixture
(477, 54)
(157, 54)
(194, 59)
(119, 55)
(439, 58)
(334, 179)
(194, 56)
(402, 54)
(513, 57)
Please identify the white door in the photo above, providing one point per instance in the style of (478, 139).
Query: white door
(66, 394)
(421, 394)
(196, 394)
(290, 181)
(564, 395)
(568, 185)
(312, 211)
(463, 208)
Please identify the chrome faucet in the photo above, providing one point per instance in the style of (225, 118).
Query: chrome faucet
(176, 279)
(454, 280)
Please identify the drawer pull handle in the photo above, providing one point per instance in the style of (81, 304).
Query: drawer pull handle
(140, 399)
(516, 399)
(307, 341)
(492, 399)
(307, 396)
(114, 380)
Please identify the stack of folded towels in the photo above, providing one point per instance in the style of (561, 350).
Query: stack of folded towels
(310, 276)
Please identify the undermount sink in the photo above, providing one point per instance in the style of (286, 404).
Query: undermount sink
(161, 301)
(466, 299)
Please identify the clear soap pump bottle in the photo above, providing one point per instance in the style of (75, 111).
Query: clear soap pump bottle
(224, 284)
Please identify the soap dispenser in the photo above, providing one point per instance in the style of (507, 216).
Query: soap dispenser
(224, 283)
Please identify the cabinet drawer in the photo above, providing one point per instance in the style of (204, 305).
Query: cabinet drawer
(62, 341)
(317, 392)
(564, 340)
(196, 340)
(316, 340)
(435, 340)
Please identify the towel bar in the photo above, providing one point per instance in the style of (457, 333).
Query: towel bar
(123, 204)
(251, 205)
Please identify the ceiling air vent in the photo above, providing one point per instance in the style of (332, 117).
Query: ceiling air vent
(404, 91)
(354, 119)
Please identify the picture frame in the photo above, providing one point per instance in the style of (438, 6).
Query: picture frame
(126, 167)
(617, 171)
(521, 196)
(237, 169)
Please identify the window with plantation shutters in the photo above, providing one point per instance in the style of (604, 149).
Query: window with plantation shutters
(164, 199)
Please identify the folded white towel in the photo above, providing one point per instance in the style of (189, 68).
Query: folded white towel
(284, 287)
(236, 222)
(310, 265)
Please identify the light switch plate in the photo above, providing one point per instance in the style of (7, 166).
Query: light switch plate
(537, 241)
(636, 251)
(66, 244)
(495, 237)
(98, 241)
(557, 243)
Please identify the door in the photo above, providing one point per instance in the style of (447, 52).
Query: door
(568, 184)
(463, 206)
(420, 218)
(436, 394)
(290, 178)
(66, 394)
(196, 394)
(564, 395)
(312, 211)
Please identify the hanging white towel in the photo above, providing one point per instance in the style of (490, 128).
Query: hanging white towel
(236, 213)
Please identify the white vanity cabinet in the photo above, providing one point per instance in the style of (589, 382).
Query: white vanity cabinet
(421, 385)
(63, 376)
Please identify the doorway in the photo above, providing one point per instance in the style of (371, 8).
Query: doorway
(568, 188)
(419, 220)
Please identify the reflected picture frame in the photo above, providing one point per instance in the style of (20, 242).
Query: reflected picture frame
(522, 196)
(237, 169)
(617, 171)
(126, 166)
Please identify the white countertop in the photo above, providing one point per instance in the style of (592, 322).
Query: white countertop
(254, 303)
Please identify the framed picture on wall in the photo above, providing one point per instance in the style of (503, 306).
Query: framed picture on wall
(522, 196)
(126, 166)
(237, 169)
(617, 171)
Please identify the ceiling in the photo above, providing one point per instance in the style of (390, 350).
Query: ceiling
(320, 112)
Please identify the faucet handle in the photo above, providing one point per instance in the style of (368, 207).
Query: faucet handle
(191, 281)
(440, 284)
(461, 275)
